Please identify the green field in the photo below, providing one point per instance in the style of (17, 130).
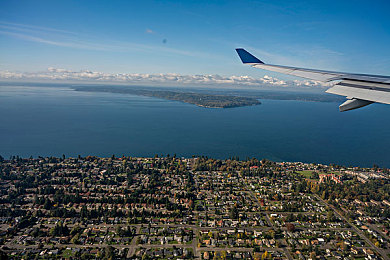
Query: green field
(307, 174)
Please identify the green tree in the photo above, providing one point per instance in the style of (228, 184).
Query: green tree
(233, 212)
(109, 252)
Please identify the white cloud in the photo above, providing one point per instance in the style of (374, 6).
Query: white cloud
(30, 28)
(59, 74)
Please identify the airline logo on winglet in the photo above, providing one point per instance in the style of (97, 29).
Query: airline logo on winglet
(246, 57)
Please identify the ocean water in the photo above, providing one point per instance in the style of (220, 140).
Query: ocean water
(51, 121)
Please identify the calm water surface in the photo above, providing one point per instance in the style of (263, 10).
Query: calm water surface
(49, 121)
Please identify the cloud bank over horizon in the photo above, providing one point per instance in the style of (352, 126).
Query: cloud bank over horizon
(87, 76)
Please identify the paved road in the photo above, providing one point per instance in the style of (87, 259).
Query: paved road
(133, 245)
(356, 229)
(287, 253)
(195, 242)
(378, 230)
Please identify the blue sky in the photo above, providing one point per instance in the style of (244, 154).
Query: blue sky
(193, 37)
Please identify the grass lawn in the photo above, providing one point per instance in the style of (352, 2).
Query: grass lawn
(307, 174)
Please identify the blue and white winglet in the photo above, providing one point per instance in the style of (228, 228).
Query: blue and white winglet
(360, 89)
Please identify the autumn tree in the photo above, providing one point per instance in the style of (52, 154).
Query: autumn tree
(290, 227)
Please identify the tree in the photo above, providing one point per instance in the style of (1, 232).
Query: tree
(145, 256)
(75, 230)
(233, 212)
(118, 230)
(315, 175)
(109, 252)
(48, 204)
(272, 233)
(290, 227)
(3, 255)
(75, 239)
(330, 216)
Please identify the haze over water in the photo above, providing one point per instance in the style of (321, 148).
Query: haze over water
(48, 121)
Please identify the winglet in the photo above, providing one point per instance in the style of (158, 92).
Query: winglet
(246, 57)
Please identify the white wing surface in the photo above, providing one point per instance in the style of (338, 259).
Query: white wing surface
(360, 89)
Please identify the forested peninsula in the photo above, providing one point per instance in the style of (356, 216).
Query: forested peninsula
(199, 99)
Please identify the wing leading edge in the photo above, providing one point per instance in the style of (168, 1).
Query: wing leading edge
(360, 89)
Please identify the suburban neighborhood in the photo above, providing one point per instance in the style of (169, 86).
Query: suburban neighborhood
(184, 208)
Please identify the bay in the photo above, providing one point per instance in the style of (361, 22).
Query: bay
(51, 121)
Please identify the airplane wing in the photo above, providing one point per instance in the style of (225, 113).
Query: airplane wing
(360, 89)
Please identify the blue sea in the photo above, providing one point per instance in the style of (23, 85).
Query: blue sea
(52, 121)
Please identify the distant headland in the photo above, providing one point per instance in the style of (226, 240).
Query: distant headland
(199, 99)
